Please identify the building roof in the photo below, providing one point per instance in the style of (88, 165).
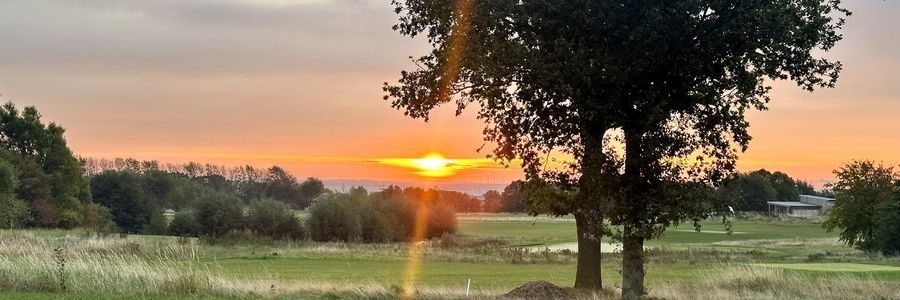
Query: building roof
(790, 204)
(817, 197)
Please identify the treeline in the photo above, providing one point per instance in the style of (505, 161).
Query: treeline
(138, 192)
(212, 201)
(358, 216)
(511, 200)
(42, 184)
(750, 191)
(247, 182)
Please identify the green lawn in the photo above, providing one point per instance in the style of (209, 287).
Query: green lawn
(796, 247)
(562, 231)
(389, 271)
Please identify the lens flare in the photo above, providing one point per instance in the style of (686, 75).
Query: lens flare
(462, 13)
(416, 249)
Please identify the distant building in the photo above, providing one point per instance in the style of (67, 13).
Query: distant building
(808, 206)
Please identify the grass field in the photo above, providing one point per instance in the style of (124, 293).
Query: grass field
(760, 260)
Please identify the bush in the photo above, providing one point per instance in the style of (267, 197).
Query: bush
(68, 218)
(441, 220)
(396, 216)
(218, 214)
(274, 219)
(157, 224)
(375, 218)
(13, 212)
(335, 219)
(374, 230)
(184, 224)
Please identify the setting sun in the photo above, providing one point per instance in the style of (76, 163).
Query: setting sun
(435, 165)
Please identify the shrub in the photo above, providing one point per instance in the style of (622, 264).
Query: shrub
(396, 216)
(374, 229)
(335, 219)
(274, 219)
(13, 212)
(441, 220)
(219, 213)
(184, 224)
(157, 223)
(375, 218)
(44, 212)
(68, 218)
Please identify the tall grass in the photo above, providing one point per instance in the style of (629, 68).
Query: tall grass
(30, 263)
(148, 266)
(746, 281)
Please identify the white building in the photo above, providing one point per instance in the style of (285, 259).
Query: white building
(808, 206)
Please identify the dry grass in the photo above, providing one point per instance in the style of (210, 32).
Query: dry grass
(760, 282)
(30, 263)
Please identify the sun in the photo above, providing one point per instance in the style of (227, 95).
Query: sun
(433, 165)
(432, 162)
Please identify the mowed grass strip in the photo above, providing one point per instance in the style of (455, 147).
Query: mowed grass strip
(521, 231)
(389, 271)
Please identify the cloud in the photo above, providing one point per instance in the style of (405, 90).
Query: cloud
(199, 38)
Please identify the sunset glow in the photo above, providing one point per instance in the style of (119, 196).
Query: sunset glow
(436, 166)
(240, 100)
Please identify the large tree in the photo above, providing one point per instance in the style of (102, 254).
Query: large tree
(123, 193)
(13, 211)
(748, 192)
(672, 78)
(27, 142)
(865, 193)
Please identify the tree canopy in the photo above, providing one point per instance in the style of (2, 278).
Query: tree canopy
(50, 177)
(674, 78)
(750, 191)
(866, 206)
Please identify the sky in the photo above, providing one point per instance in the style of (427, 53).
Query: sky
(297, 83)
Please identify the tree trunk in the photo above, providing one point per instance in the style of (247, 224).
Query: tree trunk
(635, 187)
(588, 212)
(587, 275)
(632, 266)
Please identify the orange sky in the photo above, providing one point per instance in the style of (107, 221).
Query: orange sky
(298, 84)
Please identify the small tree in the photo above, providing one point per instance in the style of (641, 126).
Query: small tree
(395, 215)
(514, 197)
(218, 214)
(492, 201)
(310, 189)
(123, 193)
(441, 220)
(184, 224)
(748, 192)
(864, 191)
(335, 219)
(274, 219)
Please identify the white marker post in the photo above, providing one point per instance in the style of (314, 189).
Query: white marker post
(469, 283)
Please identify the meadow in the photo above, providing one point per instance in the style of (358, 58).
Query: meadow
(764, 258)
